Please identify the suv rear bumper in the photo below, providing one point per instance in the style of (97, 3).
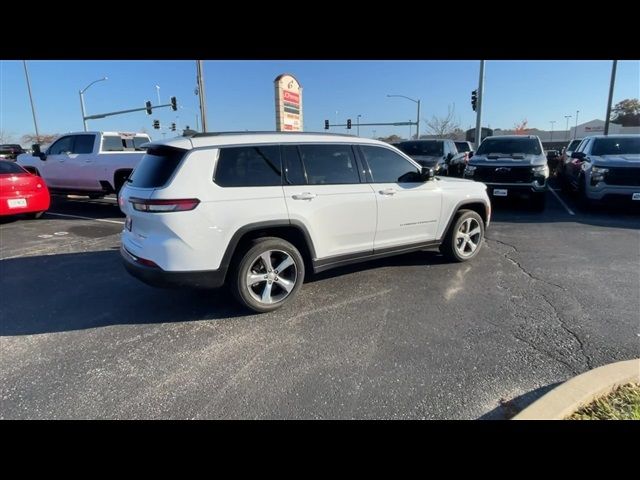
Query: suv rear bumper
(156, 277)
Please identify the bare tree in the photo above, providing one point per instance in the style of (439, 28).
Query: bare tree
(6, 137)
(30, 138)
(444, 127)
(521, 128)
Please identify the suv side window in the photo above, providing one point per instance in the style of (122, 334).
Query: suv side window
(62, 145)
(83, 144)
(389, 167)
(329, 164)
(294, 172)
(254, 166)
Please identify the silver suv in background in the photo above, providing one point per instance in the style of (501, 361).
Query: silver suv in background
(606, 168)
(511, 166)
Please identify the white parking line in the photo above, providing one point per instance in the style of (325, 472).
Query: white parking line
(85, 218)
(562, 202)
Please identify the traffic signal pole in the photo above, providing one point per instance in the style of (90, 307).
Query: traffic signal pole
(478, 134)
(173, 106)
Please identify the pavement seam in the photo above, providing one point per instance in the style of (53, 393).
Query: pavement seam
(519, 265)
(563, 325)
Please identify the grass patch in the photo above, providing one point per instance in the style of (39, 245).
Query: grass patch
(623, 403)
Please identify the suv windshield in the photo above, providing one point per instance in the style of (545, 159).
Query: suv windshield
(616, 146)
(462, 147)
(427, 148)
(510, 146)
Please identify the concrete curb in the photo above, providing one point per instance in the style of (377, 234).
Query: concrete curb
(565, 399)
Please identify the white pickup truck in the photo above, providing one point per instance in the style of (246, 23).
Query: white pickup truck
(87, 163)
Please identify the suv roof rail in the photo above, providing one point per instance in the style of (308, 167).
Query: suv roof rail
(243, 132)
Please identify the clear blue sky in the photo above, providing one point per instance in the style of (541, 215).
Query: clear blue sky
(240, 94)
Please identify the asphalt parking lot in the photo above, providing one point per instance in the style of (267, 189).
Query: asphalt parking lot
(551, 295)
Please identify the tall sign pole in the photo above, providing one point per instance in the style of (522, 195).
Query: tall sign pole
(613, 82)
(203, 112)
(33, 108)
(478, 134)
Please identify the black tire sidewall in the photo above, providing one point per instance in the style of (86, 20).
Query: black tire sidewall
(239, 287)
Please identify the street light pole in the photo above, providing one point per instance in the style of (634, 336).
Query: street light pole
(478, 133)
(417, 119)
(203, 112)
(358, 124)
(33, 108)
(568, 117)
(158, 92)
(613, 81)
(575, 131)
(84, 121)
(551, 122)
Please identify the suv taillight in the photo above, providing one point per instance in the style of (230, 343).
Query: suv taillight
(159, 206)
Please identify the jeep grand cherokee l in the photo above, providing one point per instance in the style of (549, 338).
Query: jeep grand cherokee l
(256, 210)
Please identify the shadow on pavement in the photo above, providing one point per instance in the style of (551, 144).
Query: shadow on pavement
(510, 408)
(56, 293)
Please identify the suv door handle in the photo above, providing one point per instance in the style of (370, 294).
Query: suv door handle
(304, 196)
(387, 191)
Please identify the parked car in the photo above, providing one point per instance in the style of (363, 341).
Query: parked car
(565, 157)
(10, 151)
(87, 163)
(256, 210)
(511, 165)
(436, 154)
(21, 191)
(605, 168)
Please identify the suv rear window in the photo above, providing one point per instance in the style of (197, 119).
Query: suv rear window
(510, 146)
(616, 146)
(156, 167)
(462, 147)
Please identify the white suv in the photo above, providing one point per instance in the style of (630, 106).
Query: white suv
(256, 210)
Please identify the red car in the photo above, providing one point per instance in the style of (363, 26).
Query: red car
(21, 191)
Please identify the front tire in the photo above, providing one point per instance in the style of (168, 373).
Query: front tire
(268, 275)
(464, 238)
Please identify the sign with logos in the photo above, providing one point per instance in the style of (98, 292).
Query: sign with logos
(599, 128)
(288, 103)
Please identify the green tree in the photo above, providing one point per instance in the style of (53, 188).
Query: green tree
(627, 113)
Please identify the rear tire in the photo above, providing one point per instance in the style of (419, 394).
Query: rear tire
(464, 238)
(258, 283)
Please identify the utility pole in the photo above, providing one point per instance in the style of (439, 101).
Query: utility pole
(203, 113)
(613, 81)
(567, 117)
(552, 122)
(575, 131)
(479, 111)
(33, 109)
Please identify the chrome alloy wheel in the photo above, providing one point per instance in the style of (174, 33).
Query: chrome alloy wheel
(272, 276)
(468, 237)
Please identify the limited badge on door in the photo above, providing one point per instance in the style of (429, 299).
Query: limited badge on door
(635, 196)
(500, 192)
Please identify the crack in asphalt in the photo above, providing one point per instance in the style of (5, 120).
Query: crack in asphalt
(563, 325)
(519, 265)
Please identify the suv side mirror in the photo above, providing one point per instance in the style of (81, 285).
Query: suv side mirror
(427, 173)
(36, 152)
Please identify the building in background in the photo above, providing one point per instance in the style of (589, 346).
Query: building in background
(288, 103)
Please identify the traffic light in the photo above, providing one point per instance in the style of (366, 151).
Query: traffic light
(156, 124)
(148, 106)
(348, 123)
(474, 100)
(174, 104)
(173, 127)
(326, 124)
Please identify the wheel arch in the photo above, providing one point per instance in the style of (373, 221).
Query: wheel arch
(477, 206)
